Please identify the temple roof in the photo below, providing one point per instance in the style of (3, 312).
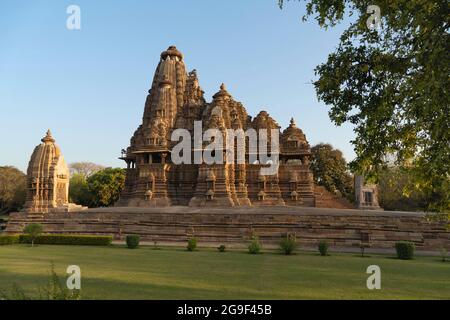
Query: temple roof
(293, 132)
(46, 159)
(48, 137)
(222, 92)
(172, 51)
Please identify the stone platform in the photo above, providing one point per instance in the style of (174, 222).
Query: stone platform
(233, 226)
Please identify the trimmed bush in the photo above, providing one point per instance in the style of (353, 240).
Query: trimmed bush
(405, 250)
(68, 239)
(133, 241)
(323, 248)
(33, 230)
(9, 239)
(221, 248)
(288, 244)
(192, 244)
(255, 246)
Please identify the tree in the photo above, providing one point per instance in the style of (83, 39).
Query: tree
(392, 84)
(79, 192)
(33, 230)
(330, 170)
(85, 168)
(106, 185)
(393, 190)
(12, 189)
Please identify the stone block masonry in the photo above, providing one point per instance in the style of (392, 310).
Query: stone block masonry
(234, 226)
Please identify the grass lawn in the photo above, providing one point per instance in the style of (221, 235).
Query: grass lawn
(119, 273)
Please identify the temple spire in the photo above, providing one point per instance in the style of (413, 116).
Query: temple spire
(292, 122)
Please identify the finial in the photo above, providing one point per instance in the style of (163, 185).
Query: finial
(48, 137)
(292, 122)
(222, 86)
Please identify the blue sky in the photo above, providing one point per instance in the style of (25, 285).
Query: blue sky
(89, 86)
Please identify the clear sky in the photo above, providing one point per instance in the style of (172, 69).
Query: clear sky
(89, 86)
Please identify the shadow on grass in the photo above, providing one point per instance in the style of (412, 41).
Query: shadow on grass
(102, 289)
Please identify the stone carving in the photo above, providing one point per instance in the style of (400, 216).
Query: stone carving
(175, 100)
(48, 180)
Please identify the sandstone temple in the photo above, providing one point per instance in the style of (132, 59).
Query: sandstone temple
(168, 202)
(48, 180)
(176, 100)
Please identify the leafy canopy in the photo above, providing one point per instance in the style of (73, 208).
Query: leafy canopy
(106, 185)
(33, 230)
(100, 189)
(392, 84)
(331, 171)
(12, 189)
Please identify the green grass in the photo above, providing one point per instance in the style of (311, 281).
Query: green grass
(119, 273)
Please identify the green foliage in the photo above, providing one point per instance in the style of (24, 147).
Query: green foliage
(68, 239)
(79, 192)
(255, 246)
(397, 191)
(330, 170)
(192, 244)
(323, 248)
(12, 189)
(391, 85)
(221, 248)
(133, 241)
(9, 239)
(54, 289)
(405, 250)
(100, 189)
(106, 185)
(288, 244)
(33, 230)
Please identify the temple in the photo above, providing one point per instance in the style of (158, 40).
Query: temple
(176, 101)
(48, 180)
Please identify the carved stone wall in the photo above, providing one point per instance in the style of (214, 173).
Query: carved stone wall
(233, 226)
(175, 101)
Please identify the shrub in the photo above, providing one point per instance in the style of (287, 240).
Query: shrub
(33, 230)
(9, 239)
(221, 248)
(405, 250)
(323, 248)
(255, 246)
(363, 246)
(192, 244)
(133, 241)
(66, 239)
(288, 244)
(155, 245)
(444, 254)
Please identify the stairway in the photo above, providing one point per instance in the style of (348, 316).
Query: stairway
(326, 199)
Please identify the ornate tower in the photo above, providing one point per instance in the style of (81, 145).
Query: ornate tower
(173, 98)
(175, 101)
(48, 179)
